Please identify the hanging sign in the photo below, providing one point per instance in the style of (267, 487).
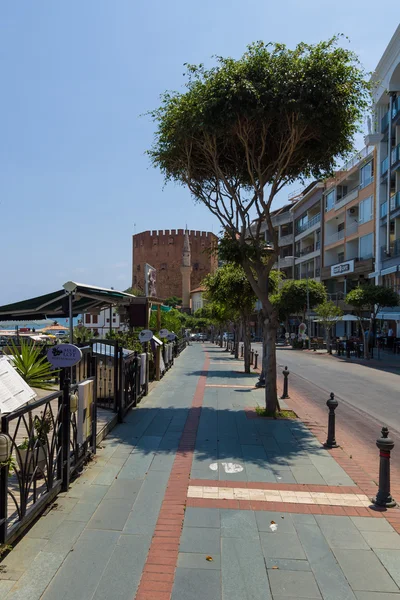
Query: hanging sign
(171, 337)
(145, 335)
(163, 333)
(64, 355)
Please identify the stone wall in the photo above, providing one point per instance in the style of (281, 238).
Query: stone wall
(163, 251)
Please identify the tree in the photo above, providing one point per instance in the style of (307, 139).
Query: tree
(244, 129)
(229, 286)
(328, 314)
(173, 301)
(294, 296)
(370, 299)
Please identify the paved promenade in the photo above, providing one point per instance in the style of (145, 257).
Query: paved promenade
(194, 497)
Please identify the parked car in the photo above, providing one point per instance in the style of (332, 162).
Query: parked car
(228, 336)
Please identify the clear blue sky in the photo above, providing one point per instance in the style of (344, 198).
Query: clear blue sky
(75, 78)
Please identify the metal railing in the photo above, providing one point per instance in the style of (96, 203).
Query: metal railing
(349, 197)
(50, 439)
(316, 219)
(305, 251)
(395, 155)
(394, 250)
(396, 107)
(394, 201)
(385, 166)
(383, 209)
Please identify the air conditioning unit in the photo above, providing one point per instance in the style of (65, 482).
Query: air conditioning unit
(352, 211)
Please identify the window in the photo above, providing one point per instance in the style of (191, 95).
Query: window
(340, 257)
(87, 318)
(365, 210)
(286, 229)
(340, 227)
(330, 200)
(341, 192)
(107, 320)
(301, 223)
(366, 174)
(366, 246)
(114, 320)
(95, 319)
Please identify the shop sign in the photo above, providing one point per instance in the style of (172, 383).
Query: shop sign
(342, 268)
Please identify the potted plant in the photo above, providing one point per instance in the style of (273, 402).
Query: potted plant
(34, 450)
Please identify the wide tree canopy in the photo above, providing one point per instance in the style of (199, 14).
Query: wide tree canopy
(294, 296)
(245, 128)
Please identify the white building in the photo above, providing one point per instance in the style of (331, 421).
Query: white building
(385, 135)
(102, 321)
(196, 299)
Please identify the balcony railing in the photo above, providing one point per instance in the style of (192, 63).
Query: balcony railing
(331, 239)
(352, 229)
(383, 210)
(385, 166)
(316, 219)
(352, 195)
(317, 271)
(396, 107)
(306, 250)
(394, 250)
(385, 122)
(394, 201)
(395, 155)
(318, 245)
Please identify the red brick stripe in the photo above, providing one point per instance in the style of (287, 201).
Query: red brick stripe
(159, 571)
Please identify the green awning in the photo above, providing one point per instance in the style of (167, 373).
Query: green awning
(162, 307)
(56, 304)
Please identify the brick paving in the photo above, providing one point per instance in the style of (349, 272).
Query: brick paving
(189, 499)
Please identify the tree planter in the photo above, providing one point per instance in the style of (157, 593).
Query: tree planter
(30, 458)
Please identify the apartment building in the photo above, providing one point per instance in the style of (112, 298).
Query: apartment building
(282, 220)
(349, 226)
(386, 139)
(306, 215)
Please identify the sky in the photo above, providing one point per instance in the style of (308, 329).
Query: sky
(76, 80)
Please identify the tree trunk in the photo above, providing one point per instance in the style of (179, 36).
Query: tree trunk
(237, 338)
(246, 345)
(269, 364)
(328, 340)
(365, 341)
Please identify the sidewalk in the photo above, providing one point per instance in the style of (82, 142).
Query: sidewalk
(196, 498)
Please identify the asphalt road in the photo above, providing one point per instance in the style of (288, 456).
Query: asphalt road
(369, 397)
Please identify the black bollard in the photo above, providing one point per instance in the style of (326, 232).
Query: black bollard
(385, 445)
(242, 351)
(252, 357)
(255, 360)
(285, 374)
(332, 404)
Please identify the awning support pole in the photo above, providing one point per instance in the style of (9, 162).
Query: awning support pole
(71, 320)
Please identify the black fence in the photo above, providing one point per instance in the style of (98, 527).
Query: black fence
(52, 437)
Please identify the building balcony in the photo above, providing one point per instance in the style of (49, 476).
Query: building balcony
(383, 210)
(395, 156)
(336, 237)
(352, 229)
(283, 218)
(394, 201)
(384, 166)
(347, 198)
(396, 107)
(358, 266)
(385, 122)
(311, 223)
(305, 251)
(286, 240)
(284, 262)
(394, 250)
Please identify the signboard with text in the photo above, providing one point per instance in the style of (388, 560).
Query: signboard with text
(64, 355)
(342, 268)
